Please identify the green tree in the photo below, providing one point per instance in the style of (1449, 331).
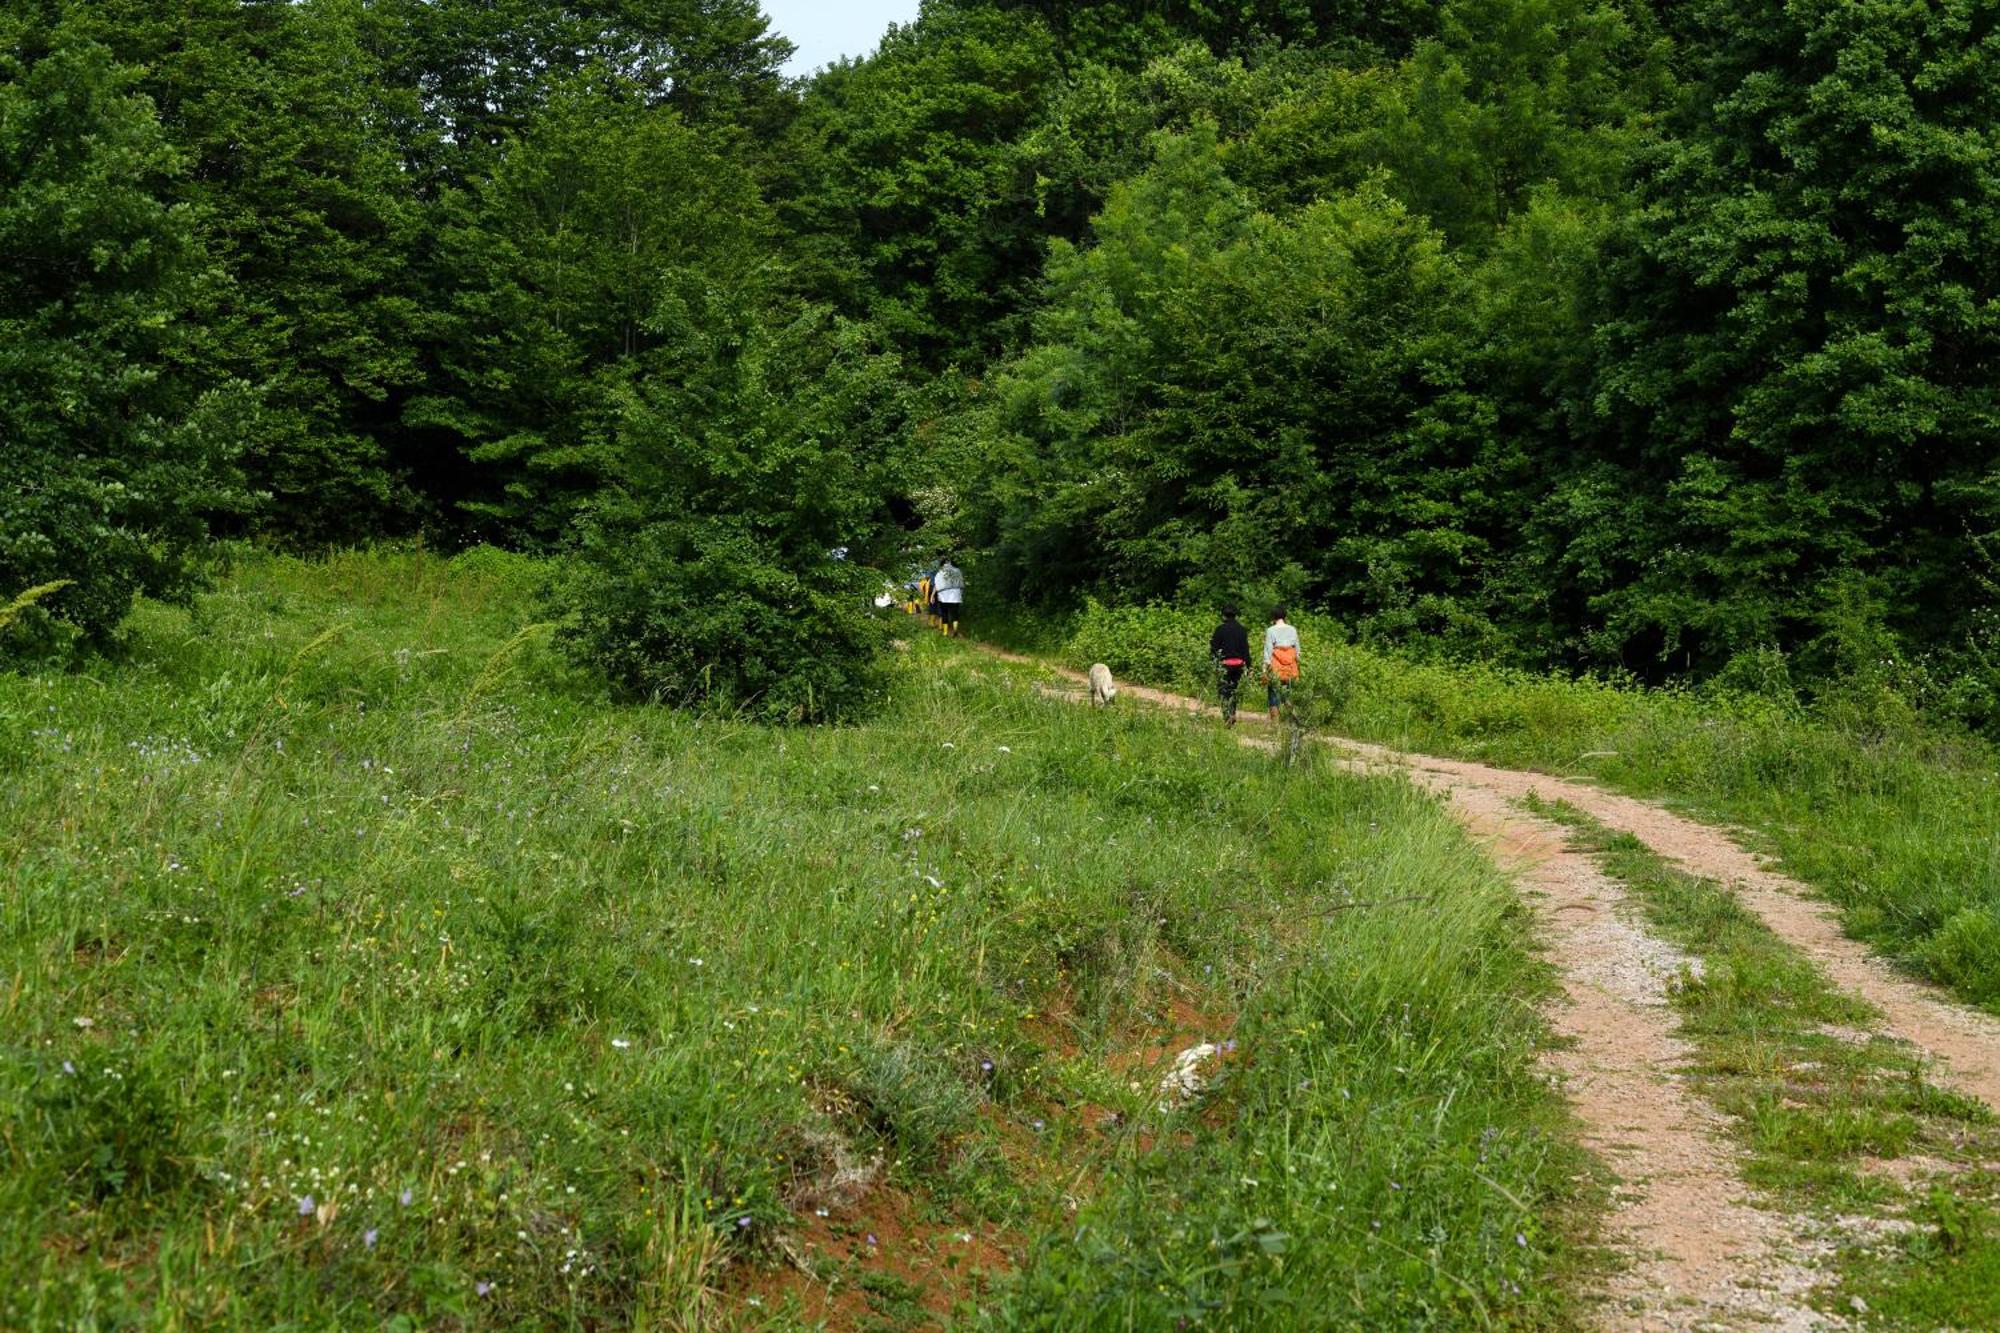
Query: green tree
(600, 216)
(903, 194)
(1220, 402)
(485, 67)
(1131, 34)
(1797, 402)
(295, 186)
(112, 460)
(730, 561)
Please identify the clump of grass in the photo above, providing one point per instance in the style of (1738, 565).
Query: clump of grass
(357, 979)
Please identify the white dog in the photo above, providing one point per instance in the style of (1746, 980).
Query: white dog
(1102, 691)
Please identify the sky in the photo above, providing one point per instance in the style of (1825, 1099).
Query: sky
(826, 30)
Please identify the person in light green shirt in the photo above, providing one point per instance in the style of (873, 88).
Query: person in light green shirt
(1281, 659)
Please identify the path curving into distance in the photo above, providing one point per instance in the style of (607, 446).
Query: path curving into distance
(1698, 1255)
(1963, 1043)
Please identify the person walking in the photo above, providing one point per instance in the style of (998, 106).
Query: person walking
(950, 587)
(1281, 660)
(1230, 647)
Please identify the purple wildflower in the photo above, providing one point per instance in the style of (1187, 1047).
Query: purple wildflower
(871, 1238)
(406, 1197)
(1520, 1240)
(481, 1288)
(307, 1207)
(368, 1238)
(742, 1223)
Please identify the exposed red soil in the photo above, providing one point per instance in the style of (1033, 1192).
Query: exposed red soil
(939, 1263)
(824, 1267)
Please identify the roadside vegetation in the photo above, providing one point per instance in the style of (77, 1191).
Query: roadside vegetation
(1840, 1121)
(1887, 813)
(366, 965)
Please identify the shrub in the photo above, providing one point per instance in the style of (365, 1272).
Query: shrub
(727, 564)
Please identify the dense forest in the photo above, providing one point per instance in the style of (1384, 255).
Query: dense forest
(1596, 335)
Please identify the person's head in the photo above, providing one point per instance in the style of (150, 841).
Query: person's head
(1277, 614)
(1229, 613)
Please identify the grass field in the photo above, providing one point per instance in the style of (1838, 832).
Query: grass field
(1892, 818)
(364, 967)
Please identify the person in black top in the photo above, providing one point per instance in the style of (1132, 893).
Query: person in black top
(1230, 647)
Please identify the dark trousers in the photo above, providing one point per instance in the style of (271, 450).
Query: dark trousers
(1227, 680)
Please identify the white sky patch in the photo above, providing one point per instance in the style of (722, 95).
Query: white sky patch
(826, 30)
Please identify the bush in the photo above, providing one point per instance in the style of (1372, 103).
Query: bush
(727, 566)
(697, 610)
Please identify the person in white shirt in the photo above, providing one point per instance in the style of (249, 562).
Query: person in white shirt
(1281, 659)
(950, 591)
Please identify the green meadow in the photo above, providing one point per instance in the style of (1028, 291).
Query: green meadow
(1890, 815)
(365, 967)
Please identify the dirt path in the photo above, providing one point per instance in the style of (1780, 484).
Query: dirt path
(1697, 1255)
(1963, 1043)
(1700, 1257)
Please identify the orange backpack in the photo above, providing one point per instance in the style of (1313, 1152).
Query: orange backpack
(1285, 663)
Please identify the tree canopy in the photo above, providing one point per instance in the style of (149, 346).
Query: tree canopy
(1580, 333)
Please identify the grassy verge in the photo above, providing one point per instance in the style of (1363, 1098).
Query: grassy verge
(1893, 821)
(364, 967)
(1836, 1120)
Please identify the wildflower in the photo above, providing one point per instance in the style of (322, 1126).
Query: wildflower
(307, 1207)
(871, 1238)
(696, 962)
(481, 1288)
(1229, 1047)
(68, 1068)
(1038, 1127)
(986, 1066)
(742, 1224)
(406, 1197)
(368, 1238)
(1521, 1240)
(85, 1024)
(621, 1043)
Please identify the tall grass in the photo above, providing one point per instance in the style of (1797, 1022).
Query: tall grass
(1893, 819)
(363, 965)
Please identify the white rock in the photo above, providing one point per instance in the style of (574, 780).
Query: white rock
(1185, 1081)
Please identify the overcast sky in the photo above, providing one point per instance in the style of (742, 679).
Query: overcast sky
(826, 30)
